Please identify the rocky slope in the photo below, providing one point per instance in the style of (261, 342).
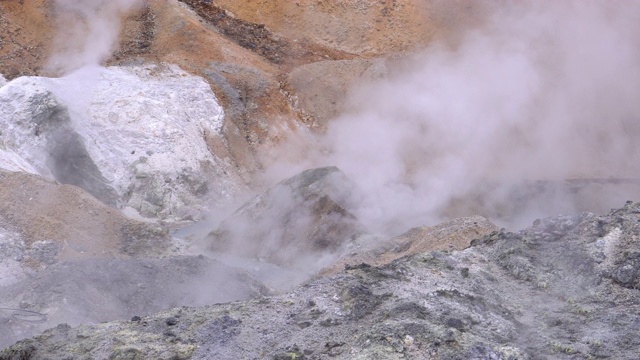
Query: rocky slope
(193, 107)
(567, 287)
(246, 51)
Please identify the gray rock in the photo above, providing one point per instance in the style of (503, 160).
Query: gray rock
(295, 222)
(239, 103)
(561, 289)
(13, 251)
(3, 81)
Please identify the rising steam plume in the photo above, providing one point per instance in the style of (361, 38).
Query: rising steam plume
(87, 32)
(542, 90)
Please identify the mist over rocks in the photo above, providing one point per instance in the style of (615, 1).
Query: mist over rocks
(514, 111)
(42, 223)
(131, 136)
(456, 234)
(320, 87)
(564, 288)
(84, 291)
(294, 223)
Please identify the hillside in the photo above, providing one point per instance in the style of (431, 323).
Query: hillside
(315, 179)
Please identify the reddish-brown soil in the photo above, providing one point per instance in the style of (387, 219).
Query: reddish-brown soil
(245, 49)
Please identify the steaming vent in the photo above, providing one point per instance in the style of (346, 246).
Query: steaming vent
(520, 118)
(304, 216)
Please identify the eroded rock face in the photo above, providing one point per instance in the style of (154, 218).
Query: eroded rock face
(31, 117)
(563, 288)
(133, 137)
(356, 27)
(303, 216)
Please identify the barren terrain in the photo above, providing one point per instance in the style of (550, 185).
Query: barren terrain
(436, 112)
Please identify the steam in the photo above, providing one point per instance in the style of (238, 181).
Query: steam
(87, 32)
(540, 91)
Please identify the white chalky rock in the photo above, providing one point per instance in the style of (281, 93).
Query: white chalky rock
(132, 136)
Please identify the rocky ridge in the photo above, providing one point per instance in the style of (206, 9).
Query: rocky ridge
(566, 287)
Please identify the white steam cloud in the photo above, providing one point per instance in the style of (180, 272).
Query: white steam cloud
(543, 90)
(87, 31)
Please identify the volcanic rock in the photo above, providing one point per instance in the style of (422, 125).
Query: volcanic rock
(97, 290)
(133, 137)
(558, 289)
(455, 234)
(356, 27)
(299, 218)
(320, 87)
(42, 222)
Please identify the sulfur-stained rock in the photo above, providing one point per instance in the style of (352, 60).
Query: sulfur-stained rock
(357, 27)
(320, 87)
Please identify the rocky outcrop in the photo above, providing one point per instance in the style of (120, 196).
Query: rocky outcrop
(300, 218)
(564, 288)
(455, 234)
(233, 41)
(132, 137)
(67, 257)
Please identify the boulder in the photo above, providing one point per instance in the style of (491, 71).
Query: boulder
(299, 218)
(134, 137)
